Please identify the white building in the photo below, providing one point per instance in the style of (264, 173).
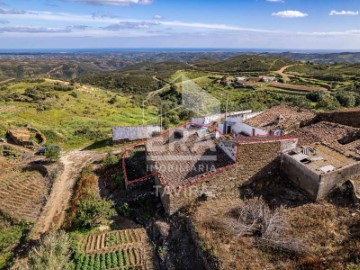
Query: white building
(133, 133)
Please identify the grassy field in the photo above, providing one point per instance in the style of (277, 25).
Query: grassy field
(72, 119)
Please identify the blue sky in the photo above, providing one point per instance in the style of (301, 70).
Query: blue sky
(272, 24)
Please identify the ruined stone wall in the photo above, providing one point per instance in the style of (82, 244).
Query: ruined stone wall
(346, 117)
(334, 179)
(255, 161)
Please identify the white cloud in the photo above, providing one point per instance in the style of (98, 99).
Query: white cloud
(114, 2)
(276, 1)
(344, 13)
(158, 17)
(290, 14)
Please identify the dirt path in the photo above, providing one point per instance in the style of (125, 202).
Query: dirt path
(53, 70)
(53, 213)
(284, 75)
(8, 80)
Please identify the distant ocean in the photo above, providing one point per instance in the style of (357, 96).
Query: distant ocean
(159, 50)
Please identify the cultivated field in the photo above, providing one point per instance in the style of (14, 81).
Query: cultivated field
(22, 193)
(124, 249)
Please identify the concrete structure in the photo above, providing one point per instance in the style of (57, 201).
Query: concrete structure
(317, 169)
(134, 133)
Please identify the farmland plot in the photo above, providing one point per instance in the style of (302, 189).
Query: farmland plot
(22, 194)
(124, 249)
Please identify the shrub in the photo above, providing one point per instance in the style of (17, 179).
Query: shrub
(346, 99)
(52, 153)
(328, 102)
(94, 211)
(110, 160)
(52, 253)
(74, 94)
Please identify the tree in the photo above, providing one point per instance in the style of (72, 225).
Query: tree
(94, 211)
(328, 102)
(346, 99)
(52, 153)
(52, 253)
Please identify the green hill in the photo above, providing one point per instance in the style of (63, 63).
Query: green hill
(69, 116)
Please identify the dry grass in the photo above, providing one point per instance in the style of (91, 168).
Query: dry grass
(311, 236)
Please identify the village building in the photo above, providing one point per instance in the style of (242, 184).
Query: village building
(194, 160)
(213, 119)
(183, 160)
(279, 120)
(268, 79)
(133, 133)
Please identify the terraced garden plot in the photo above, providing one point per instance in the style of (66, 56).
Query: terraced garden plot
(125, 259)
(22, 194)
(124, 249)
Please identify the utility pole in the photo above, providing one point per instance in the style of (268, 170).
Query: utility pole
(161, 114)
(227, 105)
(143, 112)
(226, 112)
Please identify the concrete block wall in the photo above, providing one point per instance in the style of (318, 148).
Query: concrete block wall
(300, 176)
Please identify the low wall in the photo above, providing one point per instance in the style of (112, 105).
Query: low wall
(349, 117)
(335, 179)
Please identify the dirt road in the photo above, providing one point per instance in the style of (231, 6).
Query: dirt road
(53, 214)
(8, 80)
(284, 75)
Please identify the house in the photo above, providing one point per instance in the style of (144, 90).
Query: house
(133, 133)
(267, 79)
(190, 162)
(241, 79)
(209, 120)
(279, 120)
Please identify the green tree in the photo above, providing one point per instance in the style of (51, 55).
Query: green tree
(328, 102)
(52, 253)
(94, 211)
(346, 99)
(52, 153)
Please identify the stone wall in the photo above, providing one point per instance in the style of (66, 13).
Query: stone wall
(349, 117)
(334, 179)
(255, 161)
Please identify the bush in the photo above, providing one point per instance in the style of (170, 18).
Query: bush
(52, 253)
(52, 153)
(111, 160)
(328, 102)
(346, 99)
(94, 211)
(74, 94)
